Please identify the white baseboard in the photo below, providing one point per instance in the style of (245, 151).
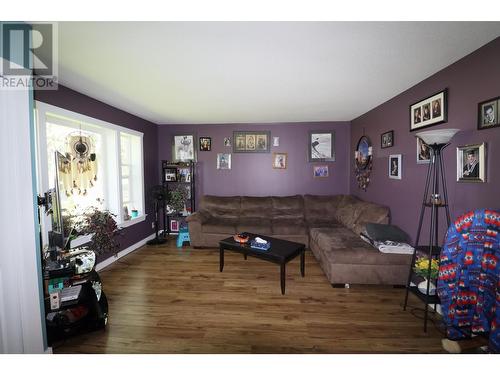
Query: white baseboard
(122, 253)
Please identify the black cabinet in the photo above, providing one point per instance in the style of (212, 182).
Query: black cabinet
(179, 180)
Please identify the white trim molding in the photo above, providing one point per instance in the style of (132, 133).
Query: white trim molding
(107, 262)
(21, 293)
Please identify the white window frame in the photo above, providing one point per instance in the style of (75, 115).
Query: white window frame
(41, 111)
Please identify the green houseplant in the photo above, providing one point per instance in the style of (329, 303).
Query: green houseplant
(101, 224)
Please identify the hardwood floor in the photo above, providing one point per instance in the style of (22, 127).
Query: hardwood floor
(168, 300)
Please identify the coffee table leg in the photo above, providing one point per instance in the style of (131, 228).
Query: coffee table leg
(303, 263)
(245, 256)
(282, 277)
(221, 258)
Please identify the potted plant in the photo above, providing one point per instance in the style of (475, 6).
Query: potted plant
(421, 269)
(101, 224)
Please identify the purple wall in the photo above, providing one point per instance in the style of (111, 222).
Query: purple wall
(74, 101)
(471, 80)
(252, 174)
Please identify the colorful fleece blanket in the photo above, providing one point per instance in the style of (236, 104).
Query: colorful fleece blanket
(468, 282)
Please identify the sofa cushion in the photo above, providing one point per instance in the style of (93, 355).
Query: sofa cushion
(349, 210)
(256, 207)
(335, 238)
(374, 213)
(219, 225)
(340, 247)
(255, 225)
(288, 207)
(221, 207)
(289, 226)
(321, 206)
(320, 222)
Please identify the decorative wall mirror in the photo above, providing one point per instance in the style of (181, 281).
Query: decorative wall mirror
(363, 160)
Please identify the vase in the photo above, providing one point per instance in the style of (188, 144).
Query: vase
(422, 287)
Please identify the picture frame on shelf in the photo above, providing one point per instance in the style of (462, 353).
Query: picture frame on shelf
(430, 111)
(184, 175)
(184, 148)
(280, 160)
(223, 161)
(471, 163)
(251, 141)
(174, 225)
(488, 114)
(320, 171)
(395, 166)
(171, 174)
(423, 152)
(205, 144)
(321, 146)
(387, 139)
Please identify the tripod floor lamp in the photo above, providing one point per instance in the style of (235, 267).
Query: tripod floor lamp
(435, 197)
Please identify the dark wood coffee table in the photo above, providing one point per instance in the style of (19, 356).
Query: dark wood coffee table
(281, 252)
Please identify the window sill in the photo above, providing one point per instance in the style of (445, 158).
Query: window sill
(133, 221)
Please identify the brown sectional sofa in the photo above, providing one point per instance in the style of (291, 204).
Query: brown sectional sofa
(328, 225)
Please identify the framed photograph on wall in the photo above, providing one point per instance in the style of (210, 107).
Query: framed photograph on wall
(205, 144)
(184, 148)
(395, 166)
(321, 146)
(320, 171)
(423, 152)
(251, 141)
(471, 163)
(280, 160)
(227, 142)
(488, 114)
(429, 111)
(387, 139)
(223, 161)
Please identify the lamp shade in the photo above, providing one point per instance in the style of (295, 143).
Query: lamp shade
(439, 136)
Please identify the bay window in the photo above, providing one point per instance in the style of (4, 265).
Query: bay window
(110, 177)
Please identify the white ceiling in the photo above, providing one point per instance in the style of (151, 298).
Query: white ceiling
(227, 72)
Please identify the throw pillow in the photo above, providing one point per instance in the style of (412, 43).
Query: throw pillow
(386, 232)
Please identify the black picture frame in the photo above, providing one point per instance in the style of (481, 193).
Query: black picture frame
(321, 146)
(387, 139)
(430, 111)
(482, 122)
(252, 141)
(205, 143)
(171, 174)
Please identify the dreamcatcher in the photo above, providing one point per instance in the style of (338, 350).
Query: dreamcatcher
(83, 171)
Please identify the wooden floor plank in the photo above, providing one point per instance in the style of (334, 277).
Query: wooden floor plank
(168, 300)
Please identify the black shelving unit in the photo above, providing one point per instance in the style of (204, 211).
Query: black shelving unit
(86, 312)
(432, 201)
(178, 175)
